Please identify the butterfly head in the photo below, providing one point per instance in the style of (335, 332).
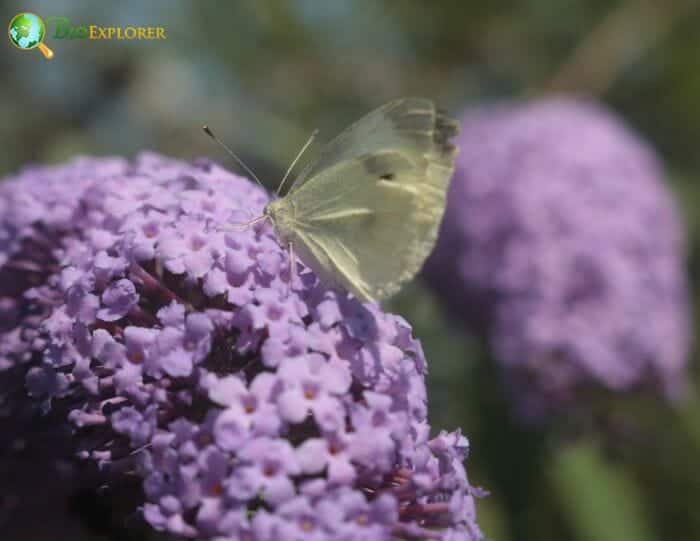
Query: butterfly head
(279, 212)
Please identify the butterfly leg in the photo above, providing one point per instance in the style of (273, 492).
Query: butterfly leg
(243, 226)
(292, 268)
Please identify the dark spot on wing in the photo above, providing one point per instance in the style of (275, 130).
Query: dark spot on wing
(380, 166)
(377, 165)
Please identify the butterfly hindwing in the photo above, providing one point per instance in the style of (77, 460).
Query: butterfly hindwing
(377, 229)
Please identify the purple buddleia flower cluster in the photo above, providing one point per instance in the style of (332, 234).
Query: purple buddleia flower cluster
(251, 406)
(562, 245)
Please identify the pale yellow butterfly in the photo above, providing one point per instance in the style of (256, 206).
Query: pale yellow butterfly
(365, 214)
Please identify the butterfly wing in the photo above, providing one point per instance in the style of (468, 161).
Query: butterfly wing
(368, 220)
(406, 124)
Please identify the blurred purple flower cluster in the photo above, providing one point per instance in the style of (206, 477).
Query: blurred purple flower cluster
(562, 245)
(251, 410)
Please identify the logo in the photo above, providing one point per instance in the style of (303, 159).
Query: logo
(27, 31)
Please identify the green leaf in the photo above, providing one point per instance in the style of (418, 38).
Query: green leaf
(599, 500)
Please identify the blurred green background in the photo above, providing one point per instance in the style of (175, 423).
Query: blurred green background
(264, 74)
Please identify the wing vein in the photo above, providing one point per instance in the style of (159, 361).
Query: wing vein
(359, 284)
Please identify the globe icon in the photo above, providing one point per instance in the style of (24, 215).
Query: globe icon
(26, 31)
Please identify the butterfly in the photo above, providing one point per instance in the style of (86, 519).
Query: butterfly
(365, 213)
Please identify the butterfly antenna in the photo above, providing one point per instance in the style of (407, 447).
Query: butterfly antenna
(295, 160)
(210, 133)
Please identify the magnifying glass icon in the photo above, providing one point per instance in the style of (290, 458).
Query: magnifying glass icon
(26, 31)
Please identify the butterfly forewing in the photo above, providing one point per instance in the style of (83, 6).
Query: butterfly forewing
(406, 124)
